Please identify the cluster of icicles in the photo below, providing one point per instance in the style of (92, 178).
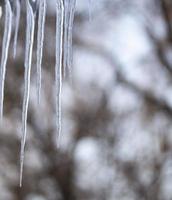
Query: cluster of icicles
(64, 22)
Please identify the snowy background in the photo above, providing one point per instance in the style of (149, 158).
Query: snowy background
(116, 131)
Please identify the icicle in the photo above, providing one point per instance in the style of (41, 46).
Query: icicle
(66, 25)
(17, 21)
(90, 3)
(69, 17)
(58, 65)
(28, 62)
(5, 49)
(70, 34)
(40, 40)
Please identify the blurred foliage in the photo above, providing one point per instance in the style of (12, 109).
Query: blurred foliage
(116, 141)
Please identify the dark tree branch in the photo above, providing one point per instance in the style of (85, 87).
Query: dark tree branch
(166, 11)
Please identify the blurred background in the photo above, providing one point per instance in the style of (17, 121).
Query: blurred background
(116, 139)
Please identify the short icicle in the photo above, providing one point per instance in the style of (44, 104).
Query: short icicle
(69, 10)
(90, 4)
(28, 61)
(17, 21)
(5, 50)
(70, 34)
(65, 44)
(58, 64)
(40, 41)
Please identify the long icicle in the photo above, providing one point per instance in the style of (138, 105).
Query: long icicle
(28, 61)
(58, 64)
(5, 49)
(40, 41)
(70, 34)
(17, 21)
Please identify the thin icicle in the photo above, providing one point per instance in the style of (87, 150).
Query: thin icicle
(5, 49)
(28, 61)
(66, 25)
(90, 3)
(17, 21)
(70, 34)
(69, 17)
(40, 40)
(58, 65)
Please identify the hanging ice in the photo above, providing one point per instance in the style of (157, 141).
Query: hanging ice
(58, 65)
(40, 40)
(5, 49)
(17, 21)
(90, 2)
(69, 17)
(66, 24)
(28, 61)
(70, 34)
